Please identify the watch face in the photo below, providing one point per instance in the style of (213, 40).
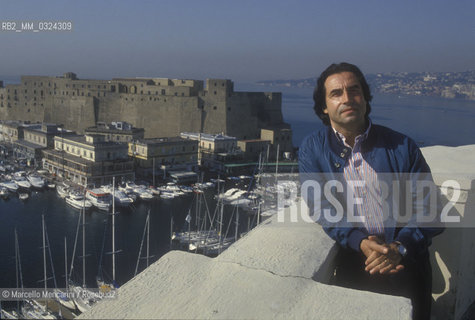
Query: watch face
(402, 250)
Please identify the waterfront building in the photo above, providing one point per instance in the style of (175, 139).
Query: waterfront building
(117, 131)
(215, 150)
(88, 160)
(253, 147)
(280, 138)
(163, 107)
(36, 138)
(161, 155)
(12, 131)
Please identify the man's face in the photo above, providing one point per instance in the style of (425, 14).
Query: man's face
(345, 103)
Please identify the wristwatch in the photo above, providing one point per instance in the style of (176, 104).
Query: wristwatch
(402, 250)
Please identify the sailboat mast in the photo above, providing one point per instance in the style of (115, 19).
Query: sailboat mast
(83, 247)
(113, 229)
(148, 236)
(44, 251)
(17, 264)
(66, 264)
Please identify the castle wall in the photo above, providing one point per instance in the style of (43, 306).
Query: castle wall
(163, 107)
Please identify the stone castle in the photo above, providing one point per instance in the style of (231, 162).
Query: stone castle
(163, 107)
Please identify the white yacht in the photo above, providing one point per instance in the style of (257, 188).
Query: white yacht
(10, 185)
(142, 191)
(36, 181)
(121, 198)
(78, 201)
(22, 182)
(100, 199)
(62, 190)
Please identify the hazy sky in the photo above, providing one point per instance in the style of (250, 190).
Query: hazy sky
(240, 40)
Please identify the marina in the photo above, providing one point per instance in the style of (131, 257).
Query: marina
(195, 218)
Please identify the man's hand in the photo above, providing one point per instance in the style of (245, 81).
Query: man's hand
(381, 257)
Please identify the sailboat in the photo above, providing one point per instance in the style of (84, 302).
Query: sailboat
(31, 309)
(84, 298)
(63, 297)
(148, 256)
(101, 283)
(14, 314)
(4, 314)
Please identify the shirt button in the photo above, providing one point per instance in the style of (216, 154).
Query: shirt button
(337, 165)
(342, 154)
(345, 150)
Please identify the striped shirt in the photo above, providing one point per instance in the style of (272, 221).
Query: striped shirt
(357, 169)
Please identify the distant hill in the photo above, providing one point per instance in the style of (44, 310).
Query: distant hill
(442, 84)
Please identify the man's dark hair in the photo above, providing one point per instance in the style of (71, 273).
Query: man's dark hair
(319, 92)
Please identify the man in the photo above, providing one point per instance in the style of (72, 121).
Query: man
(377, 254)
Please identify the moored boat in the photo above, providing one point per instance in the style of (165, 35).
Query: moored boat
(36, 181)
(10, 185)
(78, 201)
(100, 199)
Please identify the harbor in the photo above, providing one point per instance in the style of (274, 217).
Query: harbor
(94, 237)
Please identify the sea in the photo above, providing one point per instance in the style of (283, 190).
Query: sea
(428, 120)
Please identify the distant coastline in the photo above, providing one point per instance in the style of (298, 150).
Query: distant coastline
(458, 85)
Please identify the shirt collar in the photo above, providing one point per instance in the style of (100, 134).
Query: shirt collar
(359, 139)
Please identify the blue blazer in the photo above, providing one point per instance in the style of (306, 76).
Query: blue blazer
(322, 157)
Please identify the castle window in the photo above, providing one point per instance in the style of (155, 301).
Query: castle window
(214, 108)
(163, 91)
(67, 86)
(88, 94)
(215, 92)
(74, 86)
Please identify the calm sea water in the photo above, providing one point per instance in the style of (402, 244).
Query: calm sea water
(62, 221)
(430, 121)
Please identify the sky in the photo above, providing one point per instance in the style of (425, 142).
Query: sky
(240, 40)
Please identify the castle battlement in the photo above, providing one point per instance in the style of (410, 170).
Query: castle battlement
(162, 106)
